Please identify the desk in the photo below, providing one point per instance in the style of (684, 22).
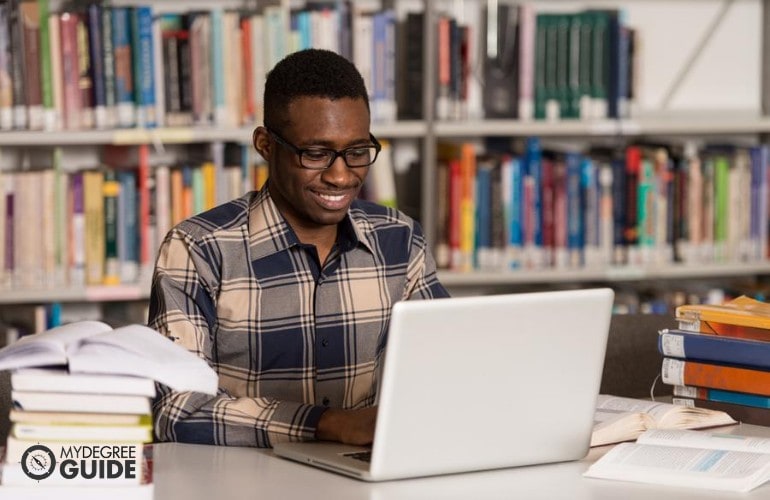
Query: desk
(195, 472)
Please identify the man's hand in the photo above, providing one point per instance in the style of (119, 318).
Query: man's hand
(347, 426)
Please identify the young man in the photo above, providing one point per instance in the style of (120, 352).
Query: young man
(287, 292)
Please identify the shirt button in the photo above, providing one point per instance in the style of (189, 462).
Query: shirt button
(325, 401)
(325, 342)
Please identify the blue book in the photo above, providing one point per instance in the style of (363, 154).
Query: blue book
(574, 208)
(124, 72)
(534, 169)
(128, 226)
(722, 396)
(515, 214)
(144, 72)
(714, 348)
(483, 213)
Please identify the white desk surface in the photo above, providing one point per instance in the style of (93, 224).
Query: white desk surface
(197, 472)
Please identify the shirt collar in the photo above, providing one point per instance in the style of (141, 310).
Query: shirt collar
(269, 232)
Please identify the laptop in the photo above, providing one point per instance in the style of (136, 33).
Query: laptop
(479, 383)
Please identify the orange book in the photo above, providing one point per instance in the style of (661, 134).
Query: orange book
(742, 317)
(729, 378)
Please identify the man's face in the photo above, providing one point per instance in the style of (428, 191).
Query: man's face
(314, 199)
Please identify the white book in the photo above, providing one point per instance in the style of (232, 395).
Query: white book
(94, 347)
(59, 380)
(74, 402)
(691, 459)
(77, 432)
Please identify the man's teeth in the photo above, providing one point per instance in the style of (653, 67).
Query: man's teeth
(329, 197)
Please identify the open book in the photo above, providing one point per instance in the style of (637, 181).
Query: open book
(688, 458)
(623, 419)
(94, 347)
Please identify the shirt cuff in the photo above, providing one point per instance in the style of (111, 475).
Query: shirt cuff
(294, 422)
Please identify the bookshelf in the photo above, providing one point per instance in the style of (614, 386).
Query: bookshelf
(730, 117)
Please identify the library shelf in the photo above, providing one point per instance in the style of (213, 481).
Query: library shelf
(601, 274)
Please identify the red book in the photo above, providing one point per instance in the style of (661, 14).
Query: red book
(70, 69)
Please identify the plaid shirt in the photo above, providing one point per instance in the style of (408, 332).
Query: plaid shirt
(287, 336)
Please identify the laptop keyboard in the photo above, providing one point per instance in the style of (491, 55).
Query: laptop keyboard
(364, 456)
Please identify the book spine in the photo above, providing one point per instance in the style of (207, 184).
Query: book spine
(687, 391)
(29, 16)
(85, 75)
(128, 228)
(98, 73)
(70, 71)
(46, 78)
(110, 195)
(217, 68)
(77, 230)
(124, 72)
(730, 378)
(56, 115)
(143, 185)
(143, 52)
(714, 348)
(17, 66)
(108, 64)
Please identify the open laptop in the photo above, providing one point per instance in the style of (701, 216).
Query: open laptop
(477, 383)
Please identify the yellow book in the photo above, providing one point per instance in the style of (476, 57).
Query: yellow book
(743, 311)
(93, 181)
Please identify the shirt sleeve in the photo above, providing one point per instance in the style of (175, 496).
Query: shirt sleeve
(421, 278)
(182, 308)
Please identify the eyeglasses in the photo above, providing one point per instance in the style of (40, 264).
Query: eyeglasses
(322, 158)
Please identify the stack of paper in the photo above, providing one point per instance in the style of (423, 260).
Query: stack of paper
(85, 419)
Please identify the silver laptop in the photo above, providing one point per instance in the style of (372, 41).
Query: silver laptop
(478, 383)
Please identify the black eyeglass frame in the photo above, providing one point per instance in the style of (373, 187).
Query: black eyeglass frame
(335, 153)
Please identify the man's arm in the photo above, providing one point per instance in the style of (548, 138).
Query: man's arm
(181, 307)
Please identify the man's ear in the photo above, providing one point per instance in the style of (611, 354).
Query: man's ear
(262, 142)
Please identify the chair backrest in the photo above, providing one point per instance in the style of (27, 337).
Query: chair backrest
(632, 361)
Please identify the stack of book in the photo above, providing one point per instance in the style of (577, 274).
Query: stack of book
(719, 358)
(84, 421)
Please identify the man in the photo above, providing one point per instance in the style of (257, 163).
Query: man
(287, 292)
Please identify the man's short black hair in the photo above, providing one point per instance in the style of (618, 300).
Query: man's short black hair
(310, 72)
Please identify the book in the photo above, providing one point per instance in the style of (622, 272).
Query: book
(738, 398)
(714, 461)
(620, 419)
(54, 418)
(75, 402)
(94, 347)
(742, 311)
(78, 432)
(713, 376)
(58, 380)
(716, 348)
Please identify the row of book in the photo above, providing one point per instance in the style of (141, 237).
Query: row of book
(103, 226)
(547, 65)
(719, 358)
(642, 205)
(96, 65)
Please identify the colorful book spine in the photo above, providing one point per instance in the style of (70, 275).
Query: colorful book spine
(741, 413)
(46, 74)
(77, 229)
(29, 17)
(714, 348)
(739, 398)
(217, 68)
(110, 194)
(143, 66)
(124, 72)
(729, 378)
(108, 64)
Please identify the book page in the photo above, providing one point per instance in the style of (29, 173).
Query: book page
(701, 439)
(48, 348)
(689, 467)
(140, 351)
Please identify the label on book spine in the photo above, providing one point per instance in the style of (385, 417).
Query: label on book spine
(673, 371)
(673, 345)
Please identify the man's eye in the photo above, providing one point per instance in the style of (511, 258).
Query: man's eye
(316, 154)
